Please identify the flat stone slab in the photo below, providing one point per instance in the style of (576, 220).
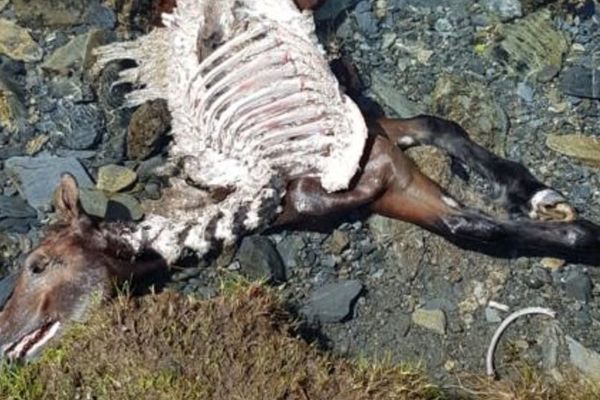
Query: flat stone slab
(332, 302)
(586, 360)
(37, 178)
(15, 207)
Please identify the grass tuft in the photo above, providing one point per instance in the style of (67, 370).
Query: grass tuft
(240, 346)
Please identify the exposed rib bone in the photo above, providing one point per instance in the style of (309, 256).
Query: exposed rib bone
(260, 109)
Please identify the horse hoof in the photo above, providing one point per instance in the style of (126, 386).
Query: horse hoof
(549, 205)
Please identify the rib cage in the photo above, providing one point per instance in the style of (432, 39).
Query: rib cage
(258, 110)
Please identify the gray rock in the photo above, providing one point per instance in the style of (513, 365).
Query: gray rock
(578, 285)
(338, 241)
(94, 202)
(148, 127)
(332, 302)
(16, 43)
(525, 92)
(331, 9)
(289, 248)
(586, 360)
(13, 113)
(549, 342)
(492, 315)
(581, 81)
(259, 259)
(36, 178)
(72, 89)
(366, 21)
(391, 97)
(75, 55)
(51, 12)
(123, 207)
(505, 9)
(100, 16)
(80, 124)
(434, 320)
(15, 207)
(7, 285)
(114, 178)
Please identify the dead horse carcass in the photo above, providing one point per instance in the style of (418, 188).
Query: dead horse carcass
(262, 137)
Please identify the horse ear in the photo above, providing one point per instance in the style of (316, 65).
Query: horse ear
(66, 200)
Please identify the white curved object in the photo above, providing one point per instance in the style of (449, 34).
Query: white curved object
(489, 359)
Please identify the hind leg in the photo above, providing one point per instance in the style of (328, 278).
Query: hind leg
(410, 196)
(522, 192)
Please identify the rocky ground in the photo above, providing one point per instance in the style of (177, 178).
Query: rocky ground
(521, 76)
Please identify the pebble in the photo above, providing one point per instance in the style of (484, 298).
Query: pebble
(338, 241)
(525, 92)
(492, 315)
(16, 43)
(505, 9)
(332, 302)
(434, 320)
(259, 259)
(37, 177)
(76, 55)
(114, 178)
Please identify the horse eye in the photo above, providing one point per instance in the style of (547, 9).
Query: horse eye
(37, 267)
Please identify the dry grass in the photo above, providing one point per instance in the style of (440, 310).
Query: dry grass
(168, 346)
(239, 346)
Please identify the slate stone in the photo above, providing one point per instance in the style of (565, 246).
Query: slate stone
(332, 302)
(80, 124)
(37, 178)
(7, 285)
(76, 55)
(581, 81)
(16, 43)
(586, 360)
(15, 207)
(578, 285)
(259, 259)
(331, 9)
(434, 320)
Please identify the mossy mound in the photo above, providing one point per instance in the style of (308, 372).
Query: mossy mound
(168, 346)
(239, 346)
